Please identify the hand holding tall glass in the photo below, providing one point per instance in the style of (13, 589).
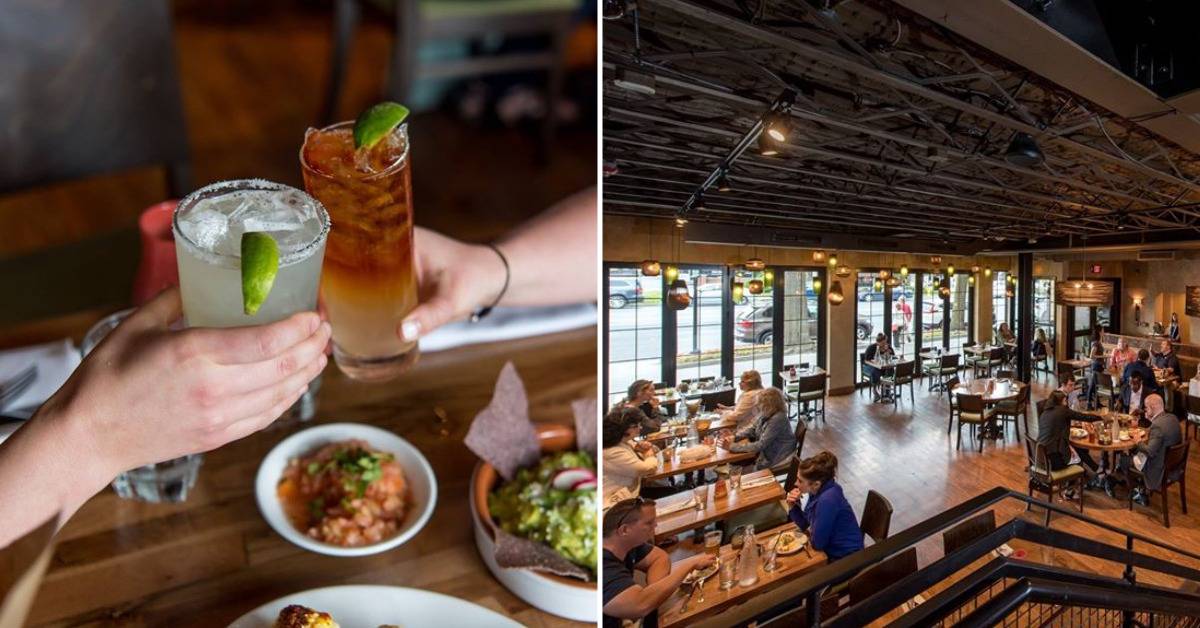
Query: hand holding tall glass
(369, 281)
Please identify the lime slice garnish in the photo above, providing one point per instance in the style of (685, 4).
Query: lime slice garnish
(375, 123)
(260, 263)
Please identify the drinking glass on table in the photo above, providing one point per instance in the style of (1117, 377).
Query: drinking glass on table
(701, 495)
(728, 574)
(369, 283)
(712, 543)
(735, 478)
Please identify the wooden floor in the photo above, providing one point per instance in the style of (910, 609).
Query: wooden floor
(904, 453)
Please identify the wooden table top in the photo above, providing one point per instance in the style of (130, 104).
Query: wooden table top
(732, 503)
(675, 466)
(885, 365)
(1137, 435)
(668, 432)
(1081, 363)
(211, 559)
(716, 600)
(990, 393)
(981, 349)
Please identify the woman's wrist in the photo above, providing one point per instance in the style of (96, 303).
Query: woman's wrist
(490, 277)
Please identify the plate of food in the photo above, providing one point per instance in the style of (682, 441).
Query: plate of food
(790, 542)
(368, 606)
(346, 489)
(1079, 433)
(534, 501)
(702, 574)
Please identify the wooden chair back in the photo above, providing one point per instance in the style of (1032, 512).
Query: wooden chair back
(972, 404)
(964, 533)
(877, 577)
(876, 517)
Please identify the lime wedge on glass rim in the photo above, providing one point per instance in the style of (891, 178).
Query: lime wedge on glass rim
(376, 122)
(260, 263)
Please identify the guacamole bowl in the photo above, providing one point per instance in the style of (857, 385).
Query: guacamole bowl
(566, 597)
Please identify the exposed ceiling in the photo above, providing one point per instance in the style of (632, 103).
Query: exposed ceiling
(899, 130)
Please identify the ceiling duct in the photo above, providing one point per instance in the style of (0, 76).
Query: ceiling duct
(1156, 255)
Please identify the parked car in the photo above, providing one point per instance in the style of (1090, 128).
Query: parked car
(878, 296)
(755, 326)
(712, 292)
(622, 291)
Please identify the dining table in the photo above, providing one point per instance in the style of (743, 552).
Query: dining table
(880, 393)
(673, 430)
(993, 391)
(709, 600)
(761, 492)
(675, 465)
(212, 558)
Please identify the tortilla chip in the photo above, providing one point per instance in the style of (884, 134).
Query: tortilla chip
(585, 411)
(502, 433)
(514, 552)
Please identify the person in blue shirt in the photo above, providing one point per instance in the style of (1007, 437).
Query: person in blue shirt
(827, 519)
(1141, 365)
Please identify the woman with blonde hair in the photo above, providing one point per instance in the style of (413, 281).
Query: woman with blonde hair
(744, 411)
(770, 435)
(827, 518)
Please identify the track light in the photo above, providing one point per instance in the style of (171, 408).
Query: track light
(767, 147)
(1023, 151)
(614, 9)
(723, 183)
(776, 125)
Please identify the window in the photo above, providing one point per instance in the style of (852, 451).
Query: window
(753, 326)
(698, 328)
(904, 316)
(1044, 310)
(960, 312)
(1001, 305)
(932, 308)
(635, 339)
(871, 308)
(801, 326)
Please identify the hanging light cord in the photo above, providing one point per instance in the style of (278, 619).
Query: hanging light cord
(484, 311)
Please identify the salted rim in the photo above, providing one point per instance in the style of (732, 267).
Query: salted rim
(399, 163)
(243, 185)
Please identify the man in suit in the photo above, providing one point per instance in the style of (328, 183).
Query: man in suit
(1141, 365)
(1133, 395)
(1149, 456)
(1054, 428)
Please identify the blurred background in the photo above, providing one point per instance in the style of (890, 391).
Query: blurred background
(109, 107)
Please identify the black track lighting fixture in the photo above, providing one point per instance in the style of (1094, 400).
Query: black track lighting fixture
(767, 147)
(698, 204)
(723, 182)
(1023, 151)
(614, 9)
(776, 125)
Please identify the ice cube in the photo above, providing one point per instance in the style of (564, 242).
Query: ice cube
(205, 227)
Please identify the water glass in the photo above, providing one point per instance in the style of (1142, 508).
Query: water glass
(735, 478)
(728, 573)
(164, 482)
(701, 493)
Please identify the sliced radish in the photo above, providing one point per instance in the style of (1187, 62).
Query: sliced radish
(566, 478)
(584, 485)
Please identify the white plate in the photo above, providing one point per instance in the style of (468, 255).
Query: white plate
(421, 483)
(367, 606)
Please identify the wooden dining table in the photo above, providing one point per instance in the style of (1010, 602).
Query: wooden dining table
(715, 509)
(991, 392)
(670, 431)
(676, 466)
(717, 601)
(207, 561)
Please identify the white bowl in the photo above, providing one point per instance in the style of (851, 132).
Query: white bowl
(422, 484)
(371, 605)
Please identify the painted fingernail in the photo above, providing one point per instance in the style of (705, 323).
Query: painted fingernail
(410, 329)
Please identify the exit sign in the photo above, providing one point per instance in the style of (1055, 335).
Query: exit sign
(1095, 269)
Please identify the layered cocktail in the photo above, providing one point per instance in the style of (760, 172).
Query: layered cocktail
(368, 284)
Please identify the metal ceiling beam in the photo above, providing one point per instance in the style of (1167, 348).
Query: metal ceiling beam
(736, 25)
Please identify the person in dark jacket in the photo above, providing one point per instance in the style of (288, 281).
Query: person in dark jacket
(1133, 396)
(827, 518)
(1054, 432)
(1149, 456)
(641, 396)
(1141, 365)
(1165, 358)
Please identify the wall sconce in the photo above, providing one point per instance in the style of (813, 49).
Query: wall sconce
(1137, 310)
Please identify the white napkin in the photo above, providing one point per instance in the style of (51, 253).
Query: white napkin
(55, 361)
(663, 511)
(507, 323)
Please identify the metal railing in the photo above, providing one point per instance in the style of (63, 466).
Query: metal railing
(1027, 582)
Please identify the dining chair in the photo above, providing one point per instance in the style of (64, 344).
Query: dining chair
(951, 397)
(902, 375)
(812, 390)
(1014, 410)
(1174, 472)
(792, 467)
(1192, 423)
(876, 517)
(863, 377)
(1005, 374)
(964, 533)
(1106, 388)
(972, 411)
(874, 579)
(1043, 480)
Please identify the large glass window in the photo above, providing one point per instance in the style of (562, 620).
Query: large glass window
(801, 327)
(932, 308)
(753, 326)
(634, 315)
(871, 308)
(1044, 312)
(904, 316)
(960, 312)
(698, 328)
(1001, 304)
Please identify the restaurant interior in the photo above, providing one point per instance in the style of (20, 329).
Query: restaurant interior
(1003, 194)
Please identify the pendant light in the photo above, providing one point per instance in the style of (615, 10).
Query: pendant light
(738, 292)
(650, 267)
(818, 257)
(755, 264)
(1023, 151)
(971, 280)
(833, 260)
(884, 273)
(678, 296)
(816, 284)
(892, 282)
(754, 286)
(878, 285)
(835, 293)
(844, 271)
(936, 260)
(904, 270)
(987, 271)
(950, 269)
(671, 273)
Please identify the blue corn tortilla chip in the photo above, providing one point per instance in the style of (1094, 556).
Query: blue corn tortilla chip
(514, 552)
(502, 433)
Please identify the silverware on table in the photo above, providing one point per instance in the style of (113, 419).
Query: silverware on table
(688, 598)
(16, 385)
